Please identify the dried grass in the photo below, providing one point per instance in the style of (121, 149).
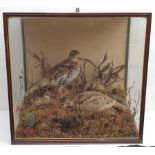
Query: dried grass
(57, 121)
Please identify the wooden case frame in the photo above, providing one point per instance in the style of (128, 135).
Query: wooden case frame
(6, 16)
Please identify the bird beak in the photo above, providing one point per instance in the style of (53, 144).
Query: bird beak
(79, 58)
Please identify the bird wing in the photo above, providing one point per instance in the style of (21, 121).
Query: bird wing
(56, 68)
(61, 71)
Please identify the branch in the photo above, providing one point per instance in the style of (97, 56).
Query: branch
(45, 66)
(87, 60)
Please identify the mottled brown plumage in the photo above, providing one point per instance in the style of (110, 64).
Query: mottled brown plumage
(61, 74)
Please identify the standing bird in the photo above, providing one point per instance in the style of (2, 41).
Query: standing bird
(61, 74)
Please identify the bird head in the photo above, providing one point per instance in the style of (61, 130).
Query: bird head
(73, 54)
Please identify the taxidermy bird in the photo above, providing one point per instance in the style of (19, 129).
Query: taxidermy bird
(96, 85)
(61, 74)
(115, 95)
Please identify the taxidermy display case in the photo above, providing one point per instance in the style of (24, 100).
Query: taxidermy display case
(77, 77)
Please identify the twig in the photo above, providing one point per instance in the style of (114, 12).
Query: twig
(45, 66)
(136, 107)
(103, 61)
(87, 60)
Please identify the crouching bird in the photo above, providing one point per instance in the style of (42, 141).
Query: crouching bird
(61, 74)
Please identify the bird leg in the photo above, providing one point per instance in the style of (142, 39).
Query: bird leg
(60, 90)
(62, 95)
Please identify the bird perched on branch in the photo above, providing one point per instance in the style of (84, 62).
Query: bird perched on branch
(61, 74)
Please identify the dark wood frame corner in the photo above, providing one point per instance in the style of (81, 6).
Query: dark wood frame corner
(7, 15)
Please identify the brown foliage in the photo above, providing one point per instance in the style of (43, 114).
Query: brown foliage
(57, 121)
(54, 120)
